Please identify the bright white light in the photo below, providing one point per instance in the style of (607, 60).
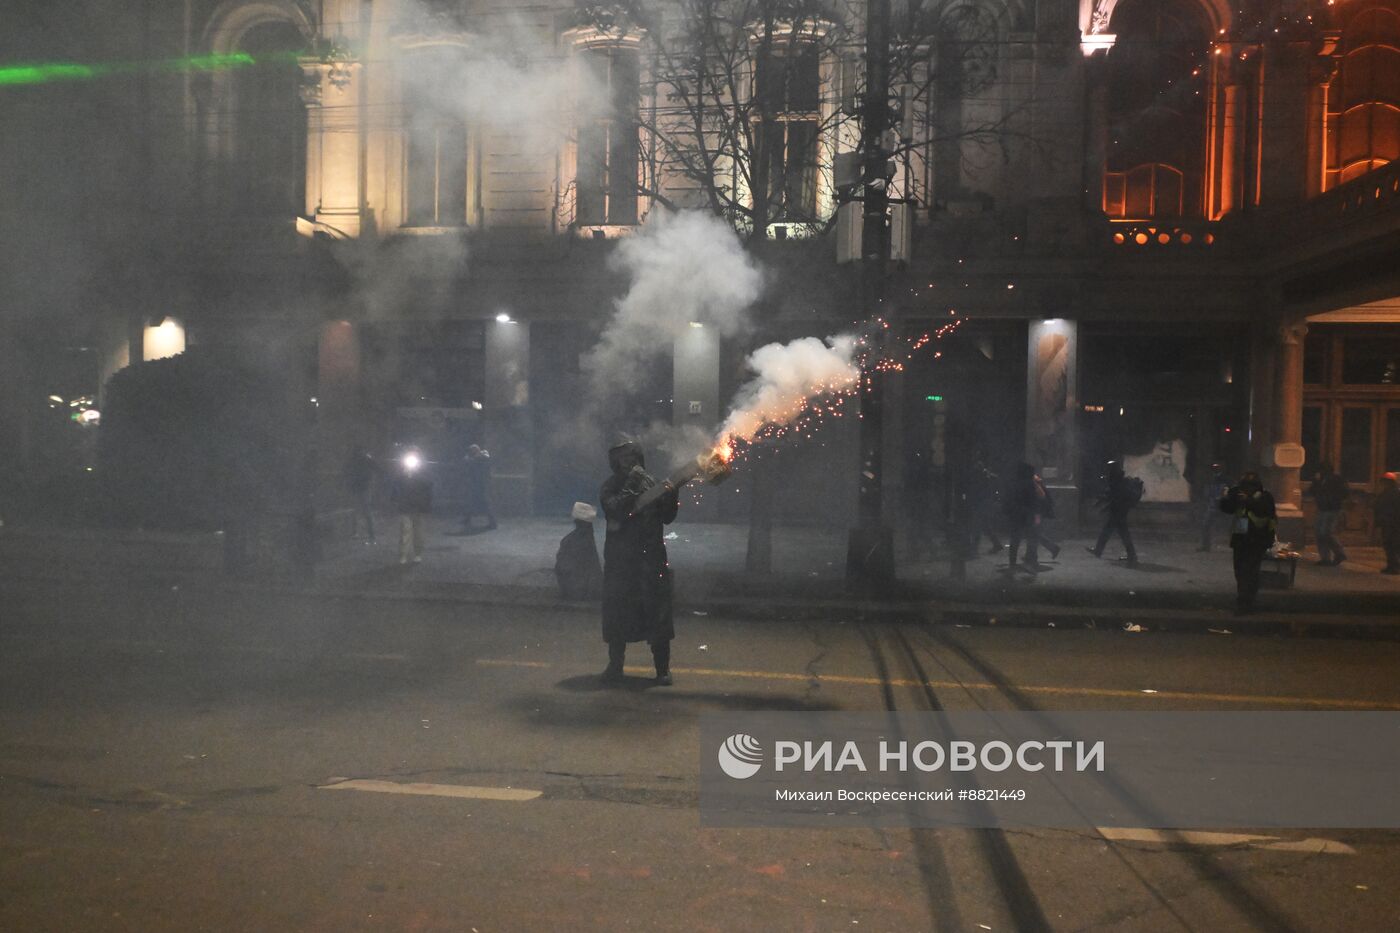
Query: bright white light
(411, 462)
(476, 406)
(164, 341)
(696, 324)
(504, 318)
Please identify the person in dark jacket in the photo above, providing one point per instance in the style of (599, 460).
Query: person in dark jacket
(1387, 516)
(636, 575)
(1022, 504)
(1251, 535)
(982, 508)
(1329, 492)
(576, 566)
(478, 488)
(413, 494)
(1120, 495)
(1215, 486)
(360, 472)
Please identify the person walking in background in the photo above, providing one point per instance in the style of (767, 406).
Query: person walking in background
(1121, 494)
(918, 493)
(982, 508)
(1386, 510)
(636, 575)
(1251, 535)
(413, 495)
(1045, 510)
(576, 565)
(1215, 486)
(478, 488)
(1329, 492)
(1021, 504)
(360, 473)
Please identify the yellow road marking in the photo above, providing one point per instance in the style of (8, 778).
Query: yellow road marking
(437, 790)
(1325, 702)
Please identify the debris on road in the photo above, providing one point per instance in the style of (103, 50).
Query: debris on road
(1132, 627)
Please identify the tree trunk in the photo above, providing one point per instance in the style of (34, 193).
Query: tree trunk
(759, 559)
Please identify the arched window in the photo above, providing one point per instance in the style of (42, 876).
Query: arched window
(1156, 110)
(269, 124)
(966, 101)
(608, 141)
(1363, 118)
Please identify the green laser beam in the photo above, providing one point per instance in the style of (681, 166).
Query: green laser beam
(50, 72)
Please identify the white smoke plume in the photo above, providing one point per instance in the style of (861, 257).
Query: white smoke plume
(788, 376)
(685, 267)
(508, 76)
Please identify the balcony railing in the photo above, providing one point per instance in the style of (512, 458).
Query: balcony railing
(1373, 197)
(1180, 233)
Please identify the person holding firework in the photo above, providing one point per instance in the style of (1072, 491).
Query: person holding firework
(636, 575)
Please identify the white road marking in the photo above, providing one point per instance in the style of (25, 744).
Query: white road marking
(1198, 838)
(437, 790)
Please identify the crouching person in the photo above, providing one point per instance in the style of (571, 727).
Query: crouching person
(576, 566)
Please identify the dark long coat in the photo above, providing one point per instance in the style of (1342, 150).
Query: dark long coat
(636, 575)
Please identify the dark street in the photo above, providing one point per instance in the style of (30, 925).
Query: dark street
(168, 753)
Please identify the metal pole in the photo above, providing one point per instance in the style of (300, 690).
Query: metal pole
(870, 549)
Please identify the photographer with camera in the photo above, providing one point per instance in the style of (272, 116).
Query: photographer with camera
(1251, 535)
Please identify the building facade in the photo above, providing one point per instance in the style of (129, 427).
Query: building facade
(1164, 228)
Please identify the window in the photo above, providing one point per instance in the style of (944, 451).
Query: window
(1156, 110)
(269, 165)
(965, 99)
(436, 171)
(788, 89)
(1363, 118)
(1355, 463)
(1372, 360)
(1315, 347)
(1312, 439)
(608, 147)
(435, 143)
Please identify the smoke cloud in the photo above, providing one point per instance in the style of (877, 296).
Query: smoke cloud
(684, 267)
(787, 377)
(508, 76)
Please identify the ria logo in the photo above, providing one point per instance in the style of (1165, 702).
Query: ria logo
(740, 756)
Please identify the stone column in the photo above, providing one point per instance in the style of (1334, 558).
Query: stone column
(509, 434)
(1095, 130)
(695, 378)
(1286, 453)
(1052, 404)
(333, 150)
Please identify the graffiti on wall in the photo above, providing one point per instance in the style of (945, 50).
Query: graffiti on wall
(1162, 471)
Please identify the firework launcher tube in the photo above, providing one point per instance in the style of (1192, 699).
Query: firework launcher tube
(710, 467)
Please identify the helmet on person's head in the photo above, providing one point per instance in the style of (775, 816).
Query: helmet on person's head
(625, 447)
(1251, 480)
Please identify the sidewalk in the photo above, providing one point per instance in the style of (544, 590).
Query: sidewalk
(1172, 578)
(1172, 587)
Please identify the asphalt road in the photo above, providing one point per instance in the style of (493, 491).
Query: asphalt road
(177, 759)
